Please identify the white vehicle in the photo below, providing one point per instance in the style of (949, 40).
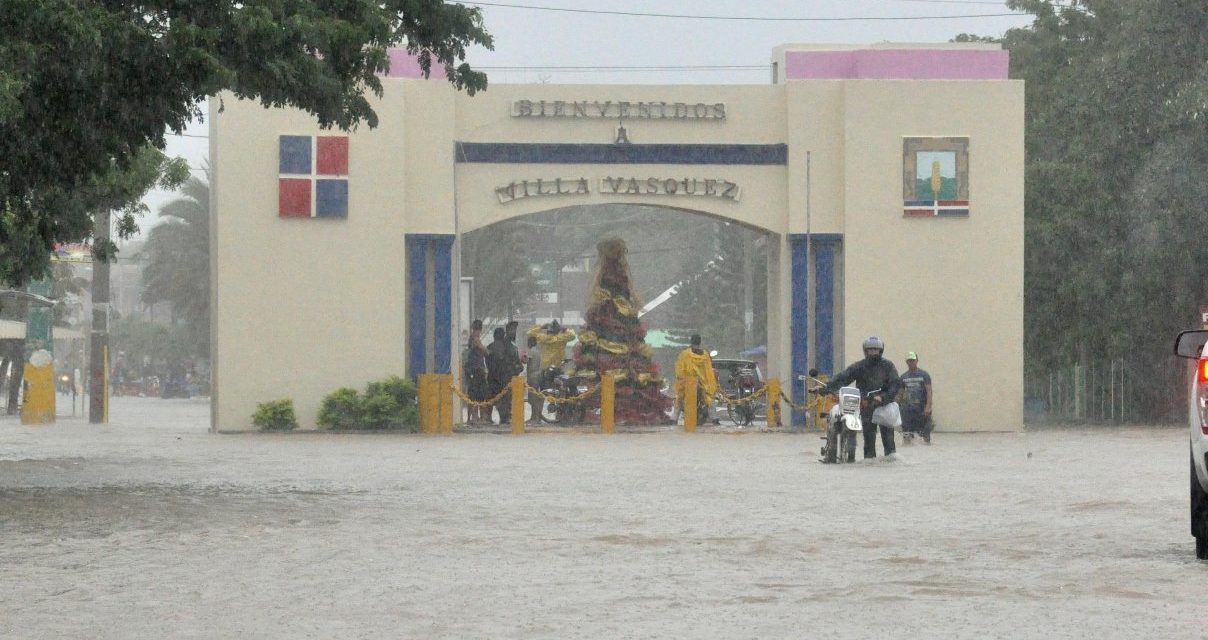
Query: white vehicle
(1191, 344)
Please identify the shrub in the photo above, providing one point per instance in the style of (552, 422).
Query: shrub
(341, 409)
(401, 389)
(381, 412)
(275, 415)
(389, 404)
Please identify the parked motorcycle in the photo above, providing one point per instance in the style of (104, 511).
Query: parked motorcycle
(561, 381)
(742, 382)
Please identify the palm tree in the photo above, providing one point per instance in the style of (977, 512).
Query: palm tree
(177, 267)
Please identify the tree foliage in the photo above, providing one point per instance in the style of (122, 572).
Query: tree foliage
(1117, 148)
(55, 212)
(88, 88)
(141, 341)
(711, 296)
(177, 263)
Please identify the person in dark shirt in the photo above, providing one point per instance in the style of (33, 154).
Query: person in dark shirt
(503, 362)
(475, 370)
(872, 374)
(916, 400)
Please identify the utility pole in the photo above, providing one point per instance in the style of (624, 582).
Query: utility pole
(748, 289)
(98, 376)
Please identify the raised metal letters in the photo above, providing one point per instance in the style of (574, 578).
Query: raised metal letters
(702, 187)
(518, 189)
(619, 185)
(622, 109)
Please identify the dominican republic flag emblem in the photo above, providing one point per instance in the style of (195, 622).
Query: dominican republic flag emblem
(941, 208)
(313, 181)
(935, 177)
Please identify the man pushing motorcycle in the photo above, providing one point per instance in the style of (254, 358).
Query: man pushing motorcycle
(878, 381)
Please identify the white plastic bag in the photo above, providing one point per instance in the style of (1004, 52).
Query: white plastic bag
(888, 415)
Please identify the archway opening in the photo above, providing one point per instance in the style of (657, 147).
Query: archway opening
(692, 273)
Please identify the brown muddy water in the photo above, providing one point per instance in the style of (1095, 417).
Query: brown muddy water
(150, 527)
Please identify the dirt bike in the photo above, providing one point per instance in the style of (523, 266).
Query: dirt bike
(843, 422)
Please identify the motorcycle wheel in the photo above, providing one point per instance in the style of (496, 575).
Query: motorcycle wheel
(830, 451)
(550, 412)
(848, 447)
(740, 414)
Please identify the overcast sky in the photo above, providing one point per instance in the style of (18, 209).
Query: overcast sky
(531, 38)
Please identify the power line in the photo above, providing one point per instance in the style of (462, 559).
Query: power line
(993, 2)
(641, 14)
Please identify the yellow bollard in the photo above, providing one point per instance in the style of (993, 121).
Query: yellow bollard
(518, 398)
(608, 403)
(38, 405)
(429, 402)
(444, 390)
(690, 417)
(773, 402)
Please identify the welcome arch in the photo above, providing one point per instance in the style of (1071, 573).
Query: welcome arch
(890, 176)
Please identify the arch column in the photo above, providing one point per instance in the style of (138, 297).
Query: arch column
(815, 276)
(429, 302)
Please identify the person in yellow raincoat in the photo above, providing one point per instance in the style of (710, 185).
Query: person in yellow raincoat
(694, 362)
(552, 339)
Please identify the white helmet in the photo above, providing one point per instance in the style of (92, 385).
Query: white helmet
(873, 342)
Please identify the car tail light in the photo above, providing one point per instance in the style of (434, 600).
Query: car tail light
(1201, 393)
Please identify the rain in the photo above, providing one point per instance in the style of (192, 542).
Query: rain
(244, 254)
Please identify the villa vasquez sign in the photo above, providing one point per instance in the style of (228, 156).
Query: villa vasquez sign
(617, 185)
(618, 110)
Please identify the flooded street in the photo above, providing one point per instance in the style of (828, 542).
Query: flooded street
(150, 527)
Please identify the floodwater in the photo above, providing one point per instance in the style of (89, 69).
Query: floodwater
(150, 527)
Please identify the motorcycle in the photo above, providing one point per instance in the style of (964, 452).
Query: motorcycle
(842, 423)
(742, 384)
(560, 381)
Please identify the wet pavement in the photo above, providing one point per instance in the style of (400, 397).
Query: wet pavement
(151, 527)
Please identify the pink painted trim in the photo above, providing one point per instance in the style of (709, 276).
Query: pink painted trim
(898, 64)
(405, 65)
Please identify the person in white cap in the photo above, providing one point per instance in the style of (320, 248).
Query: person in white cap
(916, 400)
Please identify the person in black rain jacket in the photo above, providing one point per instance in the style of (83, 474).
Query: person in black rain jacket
(873, 373)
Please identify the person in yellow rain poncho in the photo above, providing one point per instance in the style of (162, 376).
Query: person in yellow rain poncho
(551, 341)
(694, 362)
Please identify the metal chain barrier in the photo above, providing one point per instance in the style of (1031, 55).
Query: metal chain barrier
(557, 400)
(483, 403)
(813, 404)
(797, 407)
(732, 401)
(506, 390)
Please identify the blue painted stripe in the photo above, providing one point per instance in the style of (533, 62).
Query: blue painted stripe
(799, 326)
(442, 297)
(824, 304)
(417, 299)
(703, 154)
(918, 203)
(953, 213)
